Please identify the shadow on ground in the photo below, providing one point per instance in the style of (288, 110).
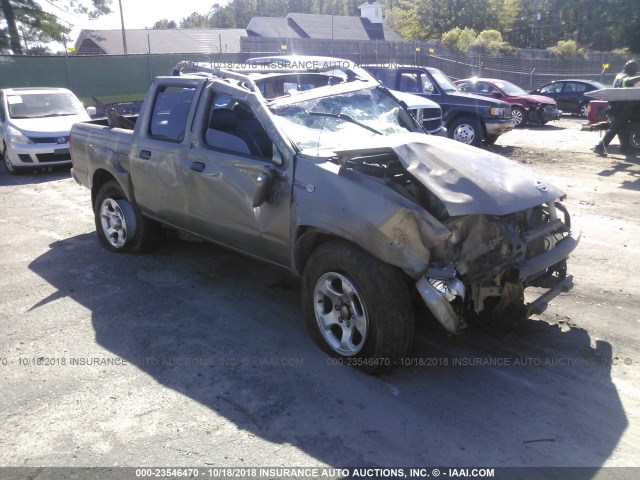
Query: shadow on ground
(33, 176)
(456, 403)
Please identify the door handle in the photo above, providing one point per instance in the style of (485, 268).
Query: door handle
(197, 167)
(145, 154)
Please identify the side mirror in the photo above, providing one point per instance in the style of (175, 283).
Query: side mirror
(263, 186)
(496, 94)
(91, 111)
(276, 158)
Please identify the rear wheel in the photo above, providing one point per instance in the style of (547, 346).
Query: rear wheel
(357, 309)
(583, 110)
(466, 130)
(634, 138)
(119, 224)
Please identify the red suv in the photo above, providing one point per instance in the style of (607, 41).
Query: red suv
(524, 106)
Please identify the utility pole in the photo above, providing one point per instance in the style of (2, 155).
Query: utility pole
(124, 36)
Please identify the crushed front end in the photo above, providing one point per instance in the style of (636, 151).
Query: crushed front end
(485, 266)
(508, 229)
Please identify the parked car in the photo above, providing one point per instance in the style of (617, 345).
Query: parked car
(35, 126)
(468, 118)
(339, 185)
(525, 107)
(570, 94)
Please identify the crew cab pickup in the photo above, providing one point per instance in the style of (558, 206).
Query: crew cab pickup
(468, 118)
(338, 183)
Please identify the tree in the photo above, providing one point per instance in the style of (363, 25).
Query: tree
(164, 24)
(28, 16)
(564, 48)
(489, 42)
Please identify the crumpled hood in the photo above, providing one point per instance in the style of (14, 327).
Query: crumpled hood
(540, 99)
(466, 179)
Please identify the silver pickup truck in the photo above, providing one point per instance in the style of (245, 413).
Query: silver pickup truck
(317, 168)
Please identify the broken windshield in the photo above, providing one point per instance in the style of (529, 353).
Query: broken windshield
(330, 121)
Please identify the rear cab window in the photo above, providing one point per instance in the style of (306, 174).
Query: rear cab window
(170, 111)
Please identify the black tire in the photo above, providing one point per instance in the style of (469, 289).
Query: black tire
(466, 130)
(633, 141)
(119, 224)
(519, 116)
(8, 166)
(348, 286)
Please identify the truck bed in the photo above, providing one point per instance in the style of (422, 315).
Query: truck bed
(109, 149)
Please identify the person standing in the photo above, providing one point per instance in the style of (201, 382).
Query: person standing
(620, 112)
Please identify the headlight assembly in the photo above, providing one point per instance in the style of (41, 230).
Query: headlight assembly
(16, 136)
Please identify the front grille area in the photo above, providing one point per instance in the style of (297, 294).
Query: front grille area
(431, 125)
(53, 157)
(25, 158)
(53, 140)
(431, 118)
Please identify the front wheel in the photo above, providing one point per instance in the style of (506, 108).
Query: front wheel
(519, 117)
(9, 167)
(356, 308)
(119, 224)
(466, 130)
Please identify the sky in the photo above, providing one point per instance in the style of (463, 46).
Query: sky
(137, 14)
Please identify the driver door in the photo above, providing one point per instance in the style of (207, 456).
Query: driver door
(232, 151)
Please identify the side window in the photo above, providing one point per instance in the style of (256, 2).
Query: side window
(553, 88)
(409, 82)
(485, 88)
(170, 111)
(234, 127)
(3, 117)
(386, 76)
(466, 87)
(578, 87)
(427, 86)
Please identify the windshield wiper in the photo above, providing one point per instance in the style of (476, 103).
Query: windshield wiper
(346, 118)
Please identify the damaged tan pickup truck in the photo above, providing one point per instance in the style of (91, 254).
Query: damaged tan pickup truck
(317, 168)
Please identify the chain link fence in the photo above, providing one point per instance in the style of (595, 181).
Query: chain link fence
(122, 78)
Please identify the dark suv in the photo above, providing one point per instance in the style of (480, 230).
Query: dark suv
(470, 119)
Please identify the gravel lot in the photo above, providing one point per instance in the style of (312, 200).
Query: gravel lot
(194, 356)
